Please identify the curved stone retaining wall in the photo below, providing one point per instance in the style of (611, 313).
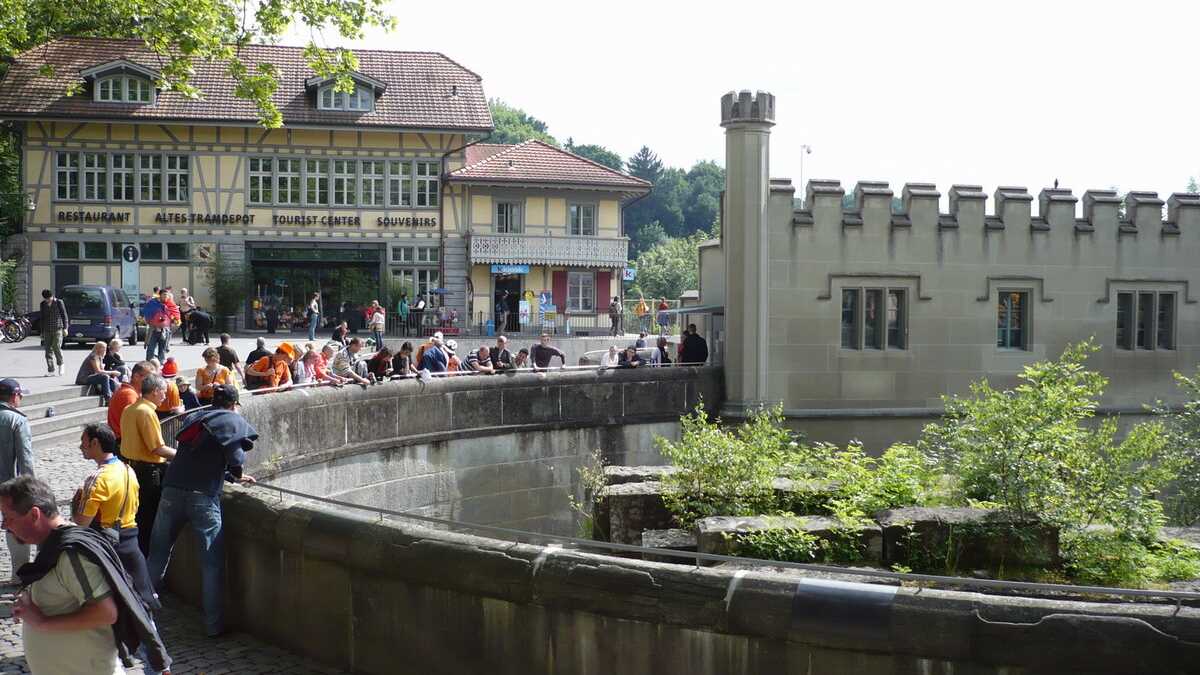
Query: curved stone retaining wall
(380, 596)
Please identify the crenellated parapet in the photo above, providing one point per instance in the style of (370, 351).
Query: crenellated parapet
(743, 106)
(1140, 213)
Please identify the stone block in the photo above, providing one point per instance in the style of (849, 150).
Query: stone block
(423, 414)
(713, 534)
(473, 409)
(674, 539)
(530, 405)
(623, 512)
(616, 475)
(947, 539)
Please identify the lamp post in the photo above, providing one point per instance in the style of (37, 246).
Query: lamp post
(806, 150)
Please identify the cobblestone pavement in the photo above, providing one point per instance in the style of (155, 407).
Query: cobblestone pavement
(182, 629)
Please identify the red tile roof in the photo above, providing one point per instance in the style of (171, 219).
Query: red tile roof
(535, 162)
(425, 90)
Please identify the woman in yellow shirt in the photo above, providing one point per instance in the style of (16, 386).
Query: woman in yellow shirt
(212, 374)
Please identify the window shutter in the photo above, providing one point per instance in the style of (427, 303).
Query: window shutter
(559, 290)
(603, 287)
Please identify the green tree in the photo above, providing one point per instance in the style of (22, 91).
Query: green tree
(598, 154)
(182, 33)
(514, 125)
(702, 208)
(645, 238)
(1192, 186)
(670, 268)
(645, 165)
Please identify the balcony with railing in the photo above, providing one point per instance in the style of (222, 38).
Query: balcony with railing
(534, 249)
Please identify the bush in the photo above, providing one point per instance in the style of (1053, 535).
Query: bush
(1110, 558)
(786, 544)
(1182, 503)
(1037, 451)
(724, 473)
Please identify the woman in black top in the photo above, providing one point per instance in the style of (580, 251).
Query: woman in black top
(340, 333)
(402, 362)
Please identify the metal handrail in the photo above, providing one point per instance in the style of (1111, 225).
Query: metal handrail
(920, 579)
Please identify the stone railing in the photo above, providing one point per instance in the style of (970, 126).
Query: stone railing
(529, 249)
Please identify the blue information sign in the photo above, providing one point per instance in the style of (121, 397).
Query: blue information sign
(510, 269)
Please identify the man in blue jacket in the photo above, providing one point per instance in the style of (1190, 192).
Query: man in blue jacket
(212, 447)
(16, 452)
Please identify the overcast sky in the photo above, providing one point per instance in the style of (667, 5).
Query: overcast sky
(1095, 94)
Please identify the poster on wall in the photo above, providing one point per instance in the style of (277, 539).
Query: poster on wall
(523, 313)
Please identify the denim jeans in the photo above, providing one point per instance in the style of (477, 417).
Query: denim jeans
(102, 382)
(312, 326)
(156, 344)
(182, 507)
(378, 335)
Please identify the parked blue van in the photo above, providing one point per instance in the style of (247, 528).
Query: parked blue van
(96, 313)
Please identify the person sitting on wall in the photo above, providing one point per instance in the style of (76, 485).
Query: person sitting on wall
(660, 357)
(274, 371)
(379, 366)
(348, 365)
(630, 359)
(402, 363)
(433, 359)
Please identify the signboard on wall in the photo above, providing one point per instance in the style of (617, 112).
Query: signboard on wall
(523, 312)
(131, 274)
(629, 275)
(510, 269)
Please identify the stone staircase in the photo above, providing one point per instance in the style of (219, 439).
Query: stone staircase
(72, 409)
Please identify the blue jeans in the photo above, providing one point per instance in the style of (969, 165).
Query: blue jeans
(312, 326)
(177, 508)
(378, 335)
(103, 383)
(156, 344)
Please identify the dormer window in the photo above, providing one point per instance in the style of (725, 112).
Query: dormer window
(361, 99)
(124, 89)
(121, 81)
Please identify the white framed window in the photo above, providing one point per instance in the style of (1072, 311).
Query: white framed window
(428, 183)
(150, 178)
(261, 182)
(583, 220)
(402, 254)
(178, 178)
(417, 282)
(95, 176)
(508, 217)
(345, 179)
(372, 182)
(361, 99)
(122, 177)
(287, 181)
(399, 183)
(124, 89)
(581, 292)
(427, 254)
(316, 182)
(66, 175)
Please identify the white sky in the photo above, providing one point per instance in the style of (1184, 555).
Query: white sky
(1095, 94)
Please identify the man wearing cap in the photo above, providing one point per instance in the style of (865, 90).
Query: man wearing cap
(142, 445)
(274, 370)
(212, 450)
(172, 403)
(436, 337)
(16, 453)
(433, 359)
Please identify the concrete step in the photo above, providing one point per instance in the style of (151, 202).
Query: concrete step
(61, 407)
(58, 393)
(71, 420)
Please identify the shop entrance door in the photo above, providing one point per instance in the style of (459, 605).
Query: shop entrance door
(512, 284)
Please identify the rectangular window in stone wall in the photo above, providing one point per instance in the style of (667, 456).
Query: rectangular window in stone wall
(874, 318)
(581, 292)
(1012, 320)
(1145, 320)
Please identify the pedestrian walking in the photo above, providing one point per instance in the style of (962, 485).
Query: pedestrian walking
(54, 328)
(664, 317)
(642, 311)
(615, 312)
(158, 326)
(313, 314)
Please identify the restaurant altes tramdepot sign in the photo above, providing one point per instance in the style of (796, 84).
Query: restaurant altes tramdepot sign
(186, 218)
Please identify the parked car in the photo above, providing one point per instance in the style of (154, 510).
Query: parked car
(96, 313)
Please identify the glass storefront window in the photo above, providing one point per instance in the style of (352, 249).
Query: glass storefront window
(95, 250)
(66, 250)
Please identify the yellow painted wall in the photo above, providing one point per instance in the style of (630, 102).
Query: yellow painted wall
(535, 212)
(558, 213)
(178, 276)
(41, 251)
(481, 283)
(91, 132)
(40, 281)
(609, 218)
(481, 213)
(152, 275)
(93, 274)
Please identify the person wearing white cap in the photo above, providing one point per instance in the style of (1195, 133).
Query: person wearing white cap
(437, 336)
(16, 453)
(452, 362)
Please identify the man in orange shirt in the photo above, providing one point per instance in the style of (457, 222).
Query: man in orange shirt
(126, 394)
(274, 370)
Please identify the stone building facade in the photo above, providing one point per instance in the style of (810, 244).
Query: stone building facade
(859, 319)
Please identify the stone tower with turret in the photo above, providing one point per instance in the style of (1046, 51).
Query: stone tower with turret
(747, 119)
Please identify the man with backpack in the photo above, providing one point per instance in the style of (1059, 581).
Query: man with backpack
(212, 449)
(158, 325)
